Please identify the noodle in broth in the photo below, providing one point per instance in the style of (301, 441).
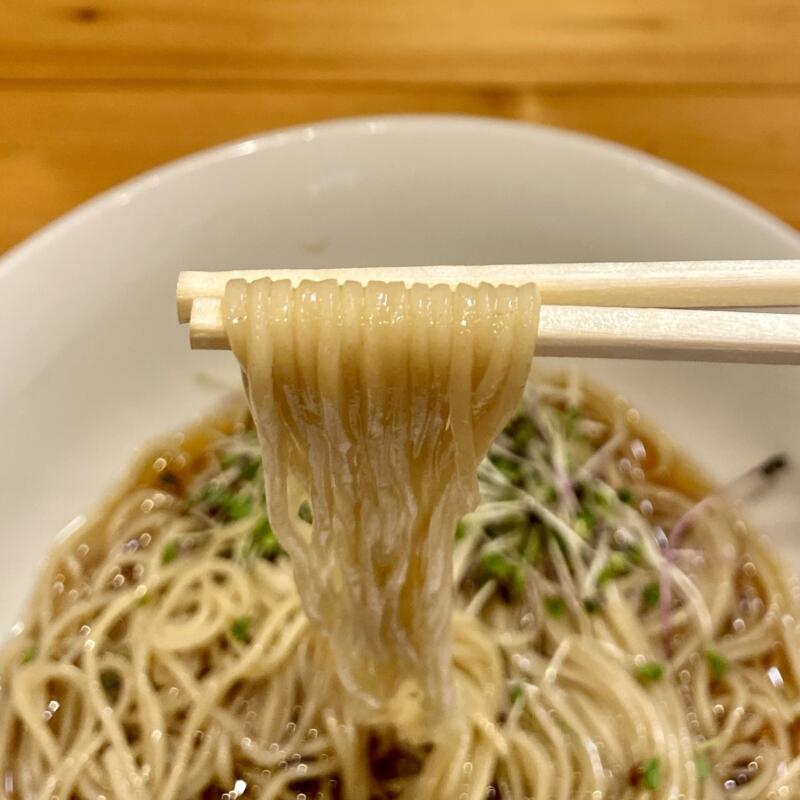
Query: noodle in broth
(617, 632)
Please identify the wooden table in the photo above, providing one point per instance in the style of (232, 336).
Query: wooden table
(94, 91)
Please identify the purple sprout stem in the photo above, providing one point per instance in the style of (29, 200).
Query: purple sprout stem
(670, 550)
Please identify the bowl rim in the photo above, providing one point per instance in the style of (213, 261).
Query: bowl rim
(629, 158)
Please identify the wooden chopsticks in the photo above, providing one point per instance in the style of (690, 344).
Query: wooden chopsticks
(617, 310)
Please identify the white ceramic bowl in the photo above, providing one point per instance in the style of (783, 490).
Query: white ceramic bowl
(92, 362)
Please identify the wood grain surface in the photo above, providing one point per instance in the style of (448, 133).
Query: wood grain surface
(94, 92)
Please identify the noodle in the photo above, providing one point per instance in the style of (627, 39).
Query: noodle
(611, 636)
(376, 404)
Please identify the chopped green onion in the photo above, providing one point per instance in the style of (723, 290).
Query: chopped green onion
(461, 531)
(111, 683)
(651, 594)
(219, 501)
(228, 460)
(554, 606)
(497, 566)
(304, 512)
(247, 464)
(591, 605)
(261, 542)
(144, 599)
(250, 470)
(651, 773)
(584, 522)
(512, 523)
(520, 430)
(515, 692)
(29, 654)
(240, 628)
(533, 547)
(551, 495)
(211, 495)
(702, 766)
(650, 672)
(625, 495)
(634, 552)
(169, 552)
(717, 664)
(616, 566)
(236, 507)
(511, 469)
(569, 420)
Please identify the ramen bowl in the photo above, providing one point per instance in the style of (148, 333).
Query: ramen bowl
(93, 362)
